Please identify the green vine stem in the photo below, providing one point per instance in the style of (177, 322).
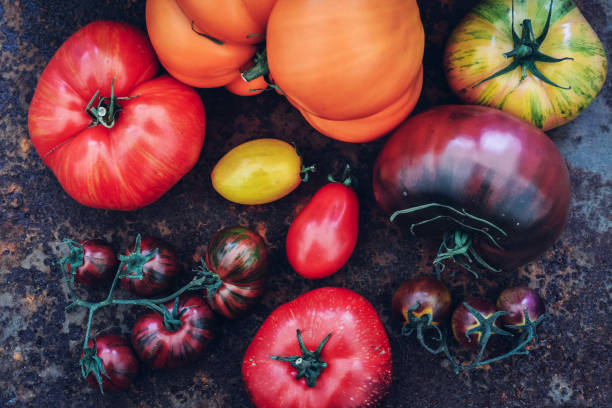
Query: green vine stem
(130, 267)
(421, 324)
(486, 327)
(456, 244)
(106, 111)
(259, 68)
(309, 364)
(526, 52)
(346, 178)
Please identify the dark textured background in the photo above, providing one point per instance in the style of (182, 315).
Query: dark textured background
(40, 344)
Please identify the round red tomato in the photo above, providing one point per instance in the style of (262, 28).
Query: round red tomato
(497, 186)
(108, 151)
(237, 263)
(93, 260)
(178, 340)
(323, 236)
(326, 348)
(118, 361)
(158, 269)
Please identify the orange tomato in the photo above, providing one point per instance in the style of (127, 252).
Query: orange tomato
(352, 68)
(205, 43)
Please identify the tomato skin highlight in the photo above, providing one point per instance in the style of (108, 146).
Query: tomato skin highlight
(486, 162)
(99, 263)
(323, 236)
(257, 172)
(161, 348)
(358, 353)
(462, 321)
(239, 257)
(157, 135)
(432, 296)
(158, 272)
(118, 360)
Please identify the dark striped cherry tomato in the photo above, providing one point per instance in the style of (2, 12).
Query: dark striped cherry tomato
(118, 360)
(237, 263)
(177, 339)
(421, 296)
(157, 272)
(463, 320)
(515, 301)
(98, 262)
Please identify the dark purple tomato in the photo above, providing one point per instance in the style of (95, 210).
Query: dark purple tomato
(238, 257)
(156, 273)
(463, 320)
(99, 263)
(431, 295)
(119, 362)
(516, 300)
(162, 345)
(479, 171)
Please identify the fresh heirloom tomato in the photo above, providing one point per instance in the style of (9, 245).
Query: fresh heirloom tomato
(326, 348)
(258, 172)
(463, 320)
(323, 236)
(352, 68)
(121, 153)
(423, 295)
(177, 340)
(516, 300)
(158, 269)
(237, 262)
(207, 43)
(496, 184)
(118, 360)
(98, 262)
(537, 59)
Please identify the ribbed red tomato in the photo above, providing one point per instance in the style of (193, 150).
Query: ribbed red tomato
(177, 340)
(323, 236)
(326, 348)
(105, 150)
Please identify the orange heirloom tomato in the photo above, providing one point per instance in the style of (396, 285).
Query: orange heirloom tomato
(204, 43)
(258, 172)
(352, 68)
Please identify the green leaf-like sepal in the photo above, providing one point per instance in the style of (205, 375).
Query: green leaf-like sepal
(91, 363)
(132, 264)
(74, 259)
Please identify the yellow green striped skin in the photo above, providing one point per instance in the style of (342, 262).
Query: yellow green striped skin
(475, 51)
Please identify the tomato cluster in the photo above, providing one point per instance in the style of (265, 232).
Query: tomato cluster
(492, 186)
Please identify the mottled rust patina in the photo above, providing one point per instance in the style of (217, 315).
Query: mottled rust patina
(40, 344)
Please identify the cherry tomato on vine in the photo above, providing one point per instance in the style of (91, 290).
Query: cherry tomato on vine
(516, 300)
(158, 269)
(177, 339)
(323, 236)
(118, 360)
(463, 320)
(424, 295)
(97, 260)
(326, 348)
(237, 263)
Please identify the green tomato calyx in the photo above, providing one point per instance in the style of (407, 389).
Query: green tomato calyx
(309, 365)
(107, 109)
(526, 52)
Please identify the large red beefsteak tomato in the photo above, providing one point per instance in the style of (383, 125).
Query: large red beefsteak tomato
(119, 154)
(326, 348)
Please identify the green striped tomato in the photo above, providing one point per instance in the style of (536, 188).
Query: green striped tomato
(547, 73)
(237, 262)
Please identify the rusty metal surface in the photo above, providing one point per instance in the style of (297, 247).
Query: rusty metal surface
(40, 344)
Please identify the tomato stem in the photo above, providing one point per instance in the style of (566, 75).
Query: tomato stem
(212, 282)
(106, 111)
(211, 38)
(420, 324)
(526, 54)
(309, 365)
(347, 178)
(259, 68)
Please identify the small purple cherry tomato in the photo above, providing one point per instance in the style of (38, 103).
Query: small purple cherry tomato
(158, 272)
(463, 320)
(119, 362)
(431, 295)
(516, 300)
(99, 263)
